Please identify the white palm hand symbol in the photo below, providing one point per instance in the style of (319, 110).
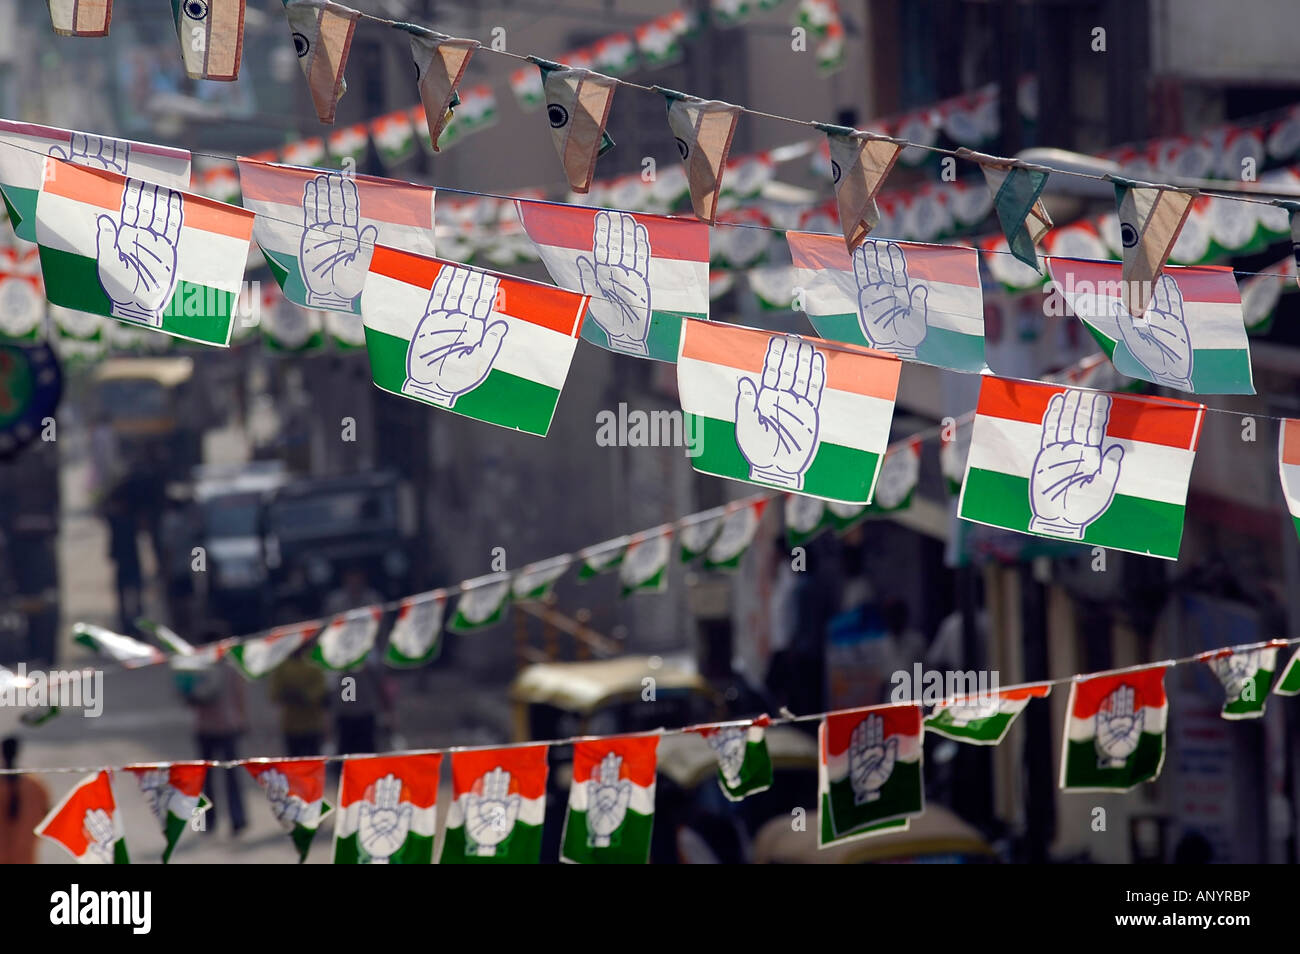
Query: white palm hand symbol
(891, 312)
(608, 798)
(384, 820)
(334, 252)
(1073, 480)
(490, 813)
(95, 152)
(100, 836)
(1119, 728)
(286, 808)
(617, 279)
(871, 759)
(136, 253)
(777, 422)
(1159, 339)
(1236, 671)
(454, 344)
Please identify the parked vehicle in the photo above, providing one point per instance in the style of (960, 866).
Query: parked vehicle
(152, 406)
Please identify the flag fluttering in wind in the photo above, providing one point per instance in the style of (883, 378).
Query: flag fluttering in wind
(86, 823)
(536, 580)
(144, 254)
(1288, 466)
(387, 810)
(1114, 731)
(127, 650)
(870, 771)
(1246, 675)
(983, 719)
(577, 107)
(1192, 336)
(703, 130)
(256, 657)
(175, 797)
(800, 414)
(601, 558)
(611, 801)
(499, 806)
(1104, 469)
(416, 637)
(346, 642)
(1016, 192)
(645, 563)
(482, 603)
(737, 532)
(1150, 218)
(860, 161)
(1288, 684)
(744, 763)
(487, 346)
(322, 38)
(440, 63)
(80, 17)
(211, 34)
(295, 790)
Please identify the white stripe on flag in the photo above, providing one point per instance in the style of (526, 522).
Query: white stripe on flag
(1154, 720)
(642, 802)
(676, 284)
(829, 291)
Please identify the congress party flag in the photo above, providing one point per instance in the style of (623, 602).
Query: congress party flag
(394, 137)
(737, 532)
(482, 603)
(899, 473)
(1114, 730)
(128, 651)
(577, 107)
(22, 297)
(703, 130)
(416, 637)
(870, 770)
(80, 17)
(345, 643)
(175, 797)
(645, 273)
(1103, 469)
(859, 163)
(805, 519)
(611, 801)
(1288, 684)
(295, 790)
(24, 146)
(698, 533)
(1288, 465)
(645, 563)
(440, 63)
(144, 254)
(499, 806)
(318, 229)
(256, 657)
(1246, 676)
(920, 302)
(1150, 218)
(601, 557)
(211, 34)
(387, 810)
(1017, 193)
(744, 763)
(537, 580)
(86, 823)
(983, 719)
(954, 449)
(479, 344)
(349, 146)
(1192, 337)
(799, 414)
(322, 38)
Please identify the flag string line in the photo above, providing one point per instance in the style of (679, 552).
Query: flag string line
(785, 717)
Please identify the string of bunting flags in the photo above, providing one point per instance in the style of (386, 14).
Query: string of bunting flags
(870, 778)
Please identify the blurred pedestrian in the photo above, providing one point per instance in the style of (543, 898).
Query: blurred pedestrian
(215, 693)
(299, 688)
(124, 551)
(24, 802)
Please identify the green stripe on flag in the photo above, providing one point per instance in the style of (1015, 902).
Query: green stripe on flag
(1130, 523)
(661, 340)
(986, 731)
(900, 795)
(502, 398)
(629, 844)
(415, 850)
(1082, 771)
(941, 346)
(523, 846)
(21, 206)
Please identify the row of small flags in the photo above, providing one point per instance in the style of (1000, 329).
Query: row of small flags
(870, 775)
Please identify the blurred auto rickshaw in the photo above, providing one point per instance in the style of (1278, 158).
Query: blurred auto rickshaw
(936, 837)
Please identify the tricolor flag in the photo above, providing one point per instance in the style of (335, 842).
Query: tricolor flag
(295, 789)
(394, 137)
(482, 603)
(644, 273)
(387, 810)
(318, 229)
(611, 801)
(440, 63)
(645, 563)
(256, 657)
(695, 536)
(348, 146)
(899, 473)
(1191, 338)
(286, 327)
(1017, 200)
(1246, 676)
(1288, 684)
(800, 414)
(1293, 211)
(322, 37)
(128, 651)
(805, 519)
(577, 107)
(24, 146)
(483, 345)
(1150, 218)
(146, 255)
(211, 33)
(703, 130)
(175, 796)
(601, 557)
(983, 720)
(416, 635)
(528, 88)
(954, 449)
(744, 764)
(870, 770)
(345, 643)
(22, 298)
(499, 806)
(1103, 469)
(80, 17)
(1288, 466)
(859, 163)
(1114, 731)
(920, 302)
(86, 823)
(535, 581)
(737, 532)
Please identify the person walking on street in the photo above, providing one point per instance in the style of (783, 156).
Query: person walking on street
(215, 693)
(299, 688)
